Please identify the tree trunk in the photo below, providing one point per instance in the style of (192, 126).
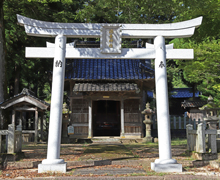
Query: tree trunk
(2, 60)
(17, 79)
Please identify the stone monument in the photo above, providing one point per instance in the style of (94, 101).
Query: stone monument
(196, 139)
(211, 120)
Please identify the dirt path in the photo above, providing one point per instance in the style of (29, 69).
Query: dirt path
(103, 159)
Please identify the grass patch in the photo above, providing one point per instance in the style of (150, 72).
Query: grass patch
(136, 156)
(174, 142)
(138, 174)
(100, 152)
(140, 146)
(33, 146)
(156, 174)
(187, 168)
(178, 142)
(72, 171)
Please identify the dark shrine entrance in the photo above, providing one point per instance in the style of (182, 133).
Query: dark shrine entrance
(106, 118)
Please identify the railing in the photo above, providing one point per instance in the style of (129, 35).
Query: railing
(179, 122)
(13, 139)
(196, 139)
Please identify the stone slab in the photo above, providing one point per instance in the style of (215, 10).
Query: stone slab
(58, 168)
(200, 163)
(108, 171)
(166, 167)
(205, 156)
(215, 164)
(12, 157)
(147, 139)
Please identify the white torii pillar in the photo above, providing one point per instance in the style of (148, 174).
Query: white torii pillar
(110, 48)
(53, 161)
(165, 161)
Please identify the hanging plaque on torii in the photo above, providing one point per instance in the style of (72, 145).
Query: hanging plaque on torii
(110, 39)
(110, 48)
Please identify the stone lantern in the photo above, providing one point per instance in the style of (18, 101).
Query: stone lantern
(147, 121)
(65, 122)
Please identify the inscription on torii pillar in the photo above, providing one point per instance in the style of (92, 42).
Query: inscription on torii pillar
(110, 49)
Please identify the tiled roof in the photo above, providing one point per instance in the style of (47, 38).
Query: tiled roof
(108, 69)
(183, 93)
(193, 103)
(25, 92)
(150, 94)
(83, 87)
(179, 93)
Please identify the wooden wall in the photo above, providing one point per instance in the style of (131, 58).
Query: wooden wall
(80, 117)
(132, 115)
(133, 124)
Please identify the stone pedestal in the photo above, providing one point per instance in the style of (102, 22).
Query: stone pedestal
(65, 123)
(158, 167)
(204, 156)
(148, 137)
(147, 115)
(58, 168)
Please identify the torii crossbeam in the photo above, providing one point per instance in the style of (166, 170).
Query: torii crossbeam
(110, 48)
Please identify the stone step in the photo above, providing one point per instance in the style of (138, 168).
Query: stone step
(105, 139)
(116, 140)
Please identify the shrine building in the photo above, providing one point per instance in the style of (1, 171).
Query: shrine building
(107, 95)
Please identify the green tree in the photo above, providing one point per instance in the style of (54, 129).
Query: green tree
(2, 61)
(32, 73)
(125, 11)
(203, 71)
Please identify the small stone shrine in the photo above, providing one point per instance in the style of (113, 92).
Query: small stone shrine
(25, 108)
(196, 139)
(211, 119)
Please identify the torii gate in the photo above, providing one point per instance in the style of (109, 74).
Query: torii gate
(110, 48)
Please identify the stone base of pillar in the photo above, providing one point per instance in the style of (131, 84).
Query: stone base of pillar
(166, 167)
(122, 135)
(147, 139)
(57, 168)
(64, 140)
(205, 156)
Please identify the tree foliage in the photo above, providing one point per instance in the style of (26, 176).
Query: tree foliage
(36, 74)
(23, 72)
(203, 71)
(2, 54)
(125, 11)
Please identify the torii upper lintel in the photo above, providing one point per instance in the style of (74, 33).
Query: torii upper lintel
(92, 30)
